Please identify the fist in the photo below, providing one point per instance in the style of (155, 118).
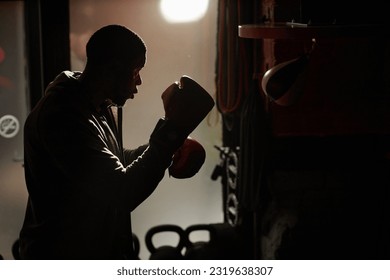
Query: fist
(187, 160)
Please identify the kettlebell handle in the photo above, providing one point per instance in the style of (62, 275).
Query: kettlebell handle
(198, 227)
(136, 244)
(164, 228)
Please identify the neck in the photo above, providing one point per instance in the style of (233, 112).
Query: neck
(93, 87)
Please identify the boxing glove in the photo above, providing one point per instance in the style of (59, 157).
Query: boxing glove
(186, 104)
(187, 160)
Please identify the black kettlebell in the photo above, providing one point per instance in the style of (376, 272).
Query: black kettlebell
(165, 252)
(136, 246)
(200, 250)
(225, 241)
(15, 250)
(223, 244)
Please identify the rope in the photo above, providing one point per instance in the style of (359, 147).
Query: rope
(232, 70)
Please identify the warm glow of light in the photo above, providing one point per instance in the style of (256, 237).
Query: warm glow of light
(179, 11)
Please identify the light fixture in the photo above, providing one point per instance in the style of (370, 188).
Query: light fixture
(181, 11)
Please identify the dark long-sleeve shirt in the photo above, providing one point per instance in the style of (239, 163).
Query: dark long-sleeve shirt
(82, 186)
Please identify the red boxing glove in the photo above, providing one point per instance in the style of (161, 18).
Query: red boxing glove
(187, 160)
(186, 104)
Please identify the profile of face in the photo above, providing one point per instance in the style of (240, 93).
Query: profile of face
(126, 86)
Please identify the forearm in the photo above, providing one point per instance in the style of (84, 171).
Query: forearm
(132, 154)
(146, 171)
(142, 177)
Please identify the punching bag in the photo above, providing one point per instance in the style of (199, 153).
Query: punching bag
(284, 83)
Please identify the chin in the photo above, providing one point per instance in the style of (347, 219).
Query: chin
(119, 102)
(122, 103)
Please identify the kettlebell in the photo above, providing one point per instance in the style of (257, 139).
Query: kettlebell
(225, 241)
(200, 250)
(136, 246)
(15, 250)
(165, 252)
